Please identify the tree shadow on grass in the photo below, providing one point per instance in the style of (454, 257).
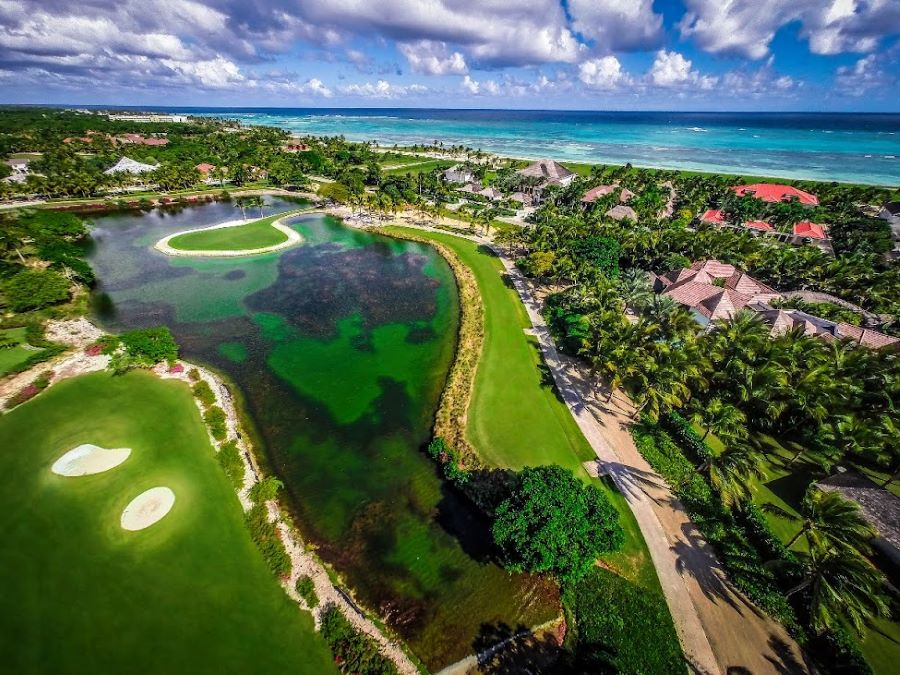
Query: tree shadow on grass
(487, 250)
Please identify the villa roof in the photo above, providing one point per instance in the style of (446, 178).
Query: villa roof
(784, 320)
(697, 288)
(772, 192)
(811, 230)
(518, 197)
(128, 165)
(758, 225)
(713, 216)
(865, 336)
(491, 193)
(602, 190)
(458, 174)
(546, 168)
(620, 212)
(877, 505)
(205, 167)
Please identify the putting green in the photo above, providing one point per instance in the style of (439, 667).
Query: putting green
(82, 595)
(249, 236)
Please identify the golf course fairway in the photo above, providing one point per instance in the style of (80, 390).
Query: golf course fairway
(83, 595)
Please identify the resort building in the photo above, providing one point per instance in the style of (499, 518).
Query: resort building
(891, 213)
(148, 118)
(19, 170)
(595, 193)
(459, 174)
(717, 291)
(128, 165)
(622, 212)
(714, 216)
(294, 146)
(808, 230)
(491, 193)
(138, 139)
(550, 172)
(772, 192)
(713, 290)
(758, 225)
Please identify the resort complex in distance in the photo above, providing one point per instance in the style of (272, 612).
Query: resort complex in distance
(641, 415)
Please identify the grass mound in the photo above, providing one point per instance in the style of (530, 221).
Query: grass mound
(246, 237)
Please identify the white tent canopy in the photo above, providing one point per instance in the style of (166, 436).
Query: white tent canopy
(126, 165)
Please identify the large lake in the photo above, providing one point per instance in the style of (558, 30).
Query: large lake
(339, 348)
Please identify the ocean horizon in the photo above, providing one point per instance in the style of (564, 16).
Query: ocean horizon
(844, 147)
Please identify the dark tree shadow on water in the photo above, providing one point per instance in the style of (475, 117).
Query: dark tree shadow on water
(504, 650)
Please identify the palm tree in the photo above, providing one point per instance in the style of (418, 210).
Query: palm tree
(730, 470)
(635, 289)
(827, 519)
(841, 584)
(723, 419)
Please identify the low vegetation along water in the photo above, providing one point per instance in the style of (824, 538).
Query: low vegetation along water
(340, 347)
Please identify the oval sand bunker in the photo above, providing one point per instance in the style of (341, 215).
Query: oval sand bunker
(89, 459)
(148, 508)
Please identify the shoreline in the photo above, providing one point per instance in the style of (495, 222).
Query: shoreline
(79, 333)
(293, 239)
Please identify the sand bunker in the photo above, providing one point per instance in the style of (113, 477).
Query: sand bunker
(88, 459)
(148, 508)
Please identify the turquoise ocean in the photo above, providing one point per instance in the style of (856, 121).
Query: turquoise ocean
(859, 148)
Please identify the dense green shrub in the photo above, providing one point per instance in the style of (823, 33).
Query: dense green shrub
(450, 461)
(229, 457)
(35, 289)
(150, 345)
(265, 490)
(204, 393)
(618, 627)
(306, 589)
(554, 523)
(194, 375)
(265, 536)
(353, 651)
(215, 420)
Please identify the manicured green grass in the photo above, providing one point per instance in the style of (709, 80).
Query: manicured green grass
(251, 235)
(81, 595)
(418, 166)
(10, 357)
(516, 418)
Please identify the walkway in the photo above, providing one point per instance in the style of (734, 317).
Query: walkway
(720, 631)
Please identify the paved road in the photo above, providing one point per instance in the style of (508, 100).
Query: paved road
(720, 631)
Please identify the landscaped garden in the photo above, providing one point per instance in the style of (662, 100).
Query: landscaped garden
(191, 593)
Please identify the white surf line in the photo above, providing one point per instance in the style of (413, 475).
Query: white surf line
(293, 238)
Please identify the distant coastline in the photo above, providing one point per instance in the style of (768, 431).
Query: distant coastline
(844, 147)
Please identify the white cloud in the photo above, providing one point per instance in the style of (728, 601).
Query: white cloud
(433, 58)
(617, 25)
(470, 85)
(382, 89)
(603, 73)
(671, 69)
(747, 27)
(217, 73)
(867, 74)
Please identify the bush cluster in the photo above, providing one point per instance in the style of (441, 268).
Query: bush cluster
(265, 536)
(29, 391)
(35, 289)
(204, 393)
(306, 589)
(215, 420)
(353, 651)
(229, 457)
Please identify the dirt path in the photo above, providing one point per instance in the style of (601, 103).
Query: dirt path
(720, 631)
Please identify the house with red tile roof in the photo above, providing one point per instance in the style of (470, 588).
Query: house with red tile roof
(713, 290)
(772, 192)
(205, 168)
(810, 230)
(760, 225)
(714, 216)
(595, 193)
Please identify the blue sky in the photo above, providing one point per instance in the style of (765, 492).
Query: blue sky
(551, 54)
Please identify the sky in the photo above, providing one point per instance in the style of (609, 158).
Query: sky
(807, 55)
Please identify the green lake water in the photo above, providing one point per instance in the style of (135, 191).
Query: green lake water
(340, 348)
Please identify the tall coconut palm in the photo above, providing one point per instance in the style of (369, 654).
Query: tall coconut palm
(729, 471)
(840, 584)
(827, 519)
(722, 419)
